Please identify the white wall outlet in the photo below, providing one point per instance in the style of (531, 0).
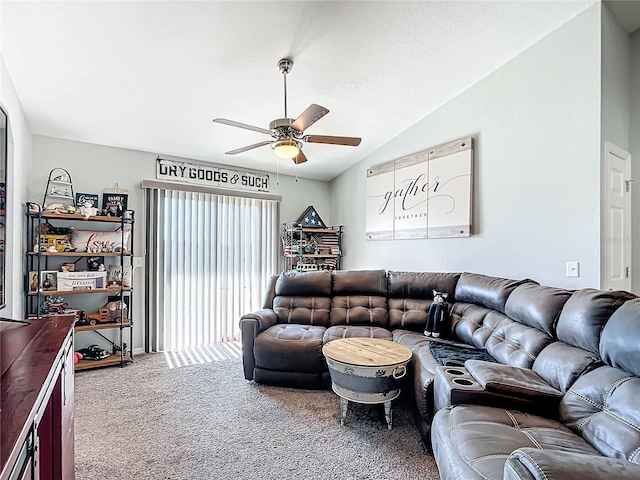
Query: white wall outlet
(138, 262)
(573, 269)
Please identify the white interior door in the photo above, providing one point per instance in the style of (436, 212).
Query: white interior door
(616, 241)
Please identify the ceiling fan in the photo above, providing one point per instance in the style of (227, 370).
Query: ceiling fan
(288, 134)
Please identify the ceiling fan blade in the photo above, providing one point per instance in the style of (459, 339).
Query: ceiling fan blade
(351, 141)
(231, 123)
(300, 158)
(248, 147)
(310, 116)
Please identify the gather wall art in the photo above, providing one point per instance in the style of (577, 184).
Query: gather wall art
(425, 195)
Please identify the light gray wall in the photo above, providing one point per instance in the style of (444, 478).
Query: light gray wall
(18, 175)
(634, 136)
(536, 124)
(96, 167)
(616, 58)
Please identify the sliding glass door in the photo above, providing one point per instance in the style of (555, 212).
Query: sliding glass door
(211, 257)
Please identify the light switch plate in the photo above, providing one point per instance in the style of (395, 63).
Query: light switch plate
(573, 269)
(138, 262)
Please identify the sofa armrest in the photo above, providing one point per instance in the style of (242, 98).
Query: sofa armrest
(512, 381)
(251, 325)
(535, 464)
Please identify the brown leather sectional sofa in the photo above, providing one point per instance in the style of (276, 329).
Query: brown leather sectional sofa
(550, 387)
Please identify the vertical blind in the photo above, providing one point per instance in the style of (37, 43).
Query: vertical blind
(209, 257)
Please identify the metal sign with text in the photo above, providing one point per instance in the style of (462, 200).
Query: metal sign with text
(211, 175)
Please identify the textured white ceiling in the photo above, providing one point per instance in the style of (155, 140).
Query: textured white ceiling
(152, 75)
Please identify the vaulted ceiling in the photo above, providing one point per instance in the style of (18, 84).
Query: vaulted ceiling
(152, 75)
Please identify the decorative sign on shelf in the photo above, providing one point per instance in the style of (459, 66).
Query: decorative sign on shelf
(114, 201)
(424, 195)
(84, 198)
(211, 175)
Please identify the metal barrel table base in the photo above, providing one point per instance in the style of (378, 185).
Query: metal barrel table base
(366, 370)
(388, 413)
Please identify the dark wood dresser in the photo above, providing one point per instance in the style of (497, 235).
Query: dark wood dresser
(36, 399)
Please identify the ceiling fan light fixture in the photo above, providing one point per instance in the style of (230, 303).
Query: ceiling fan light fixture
(286, 148)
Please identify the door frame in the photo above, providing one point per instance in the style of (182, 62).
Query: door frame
(611, 148)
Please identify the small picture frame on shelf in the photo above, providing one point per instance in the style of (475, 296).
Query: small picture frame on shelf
(95, 264)
(114, 201)
(33, 282)
(49, 280)
(113, 204)
(83, 198)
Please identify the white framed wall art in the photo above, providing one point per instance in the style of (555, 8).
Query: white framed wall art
(425, 195)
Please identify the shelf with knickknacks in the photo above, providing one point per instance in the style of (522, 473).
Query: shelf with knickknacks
(309, 244)
(88, 258)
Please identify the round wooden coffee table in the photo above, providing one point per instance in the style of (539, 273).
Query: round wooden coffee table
(366, 370)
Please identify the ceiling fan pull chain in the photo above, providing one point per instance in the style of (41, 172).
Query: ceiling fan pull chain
(277, 170)
(296, 173)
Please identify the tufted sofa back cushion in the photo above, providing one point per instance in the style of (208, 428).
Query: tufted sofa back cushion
(561, 364)
(602, 405)
(506, 340)
(585, 314)
(359, 298)
(408, 313)
(302, 310)
(620, 339)
(490, 292)
(359, 282)
(420, 285)
(537, 306)
(307, 284)
(303, 298)
(578, 331)
(359, 310)
(474, 324)
(411, 294)
(515, 344)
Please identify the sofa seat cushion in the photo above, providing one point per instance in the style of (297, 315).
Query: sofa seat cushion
(411, 340)
(290, 348)
(355, 331)
(474, 442)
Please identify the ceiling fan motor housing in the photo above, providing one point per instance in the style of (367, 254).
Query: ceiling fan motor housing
(281, 127)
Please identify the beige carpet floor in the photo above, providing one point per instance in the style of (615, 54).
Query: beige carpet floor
(155, 420)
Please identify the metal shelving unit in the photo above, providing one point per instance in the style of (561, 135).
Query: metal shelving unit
(38, 261)
(308, 249)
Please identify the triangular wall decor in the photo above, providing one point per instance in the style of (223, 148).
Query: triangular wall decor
(310, 219)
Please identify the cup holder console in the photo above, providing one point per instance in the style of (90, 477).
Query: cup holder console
(463, 382)
(454, 385)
